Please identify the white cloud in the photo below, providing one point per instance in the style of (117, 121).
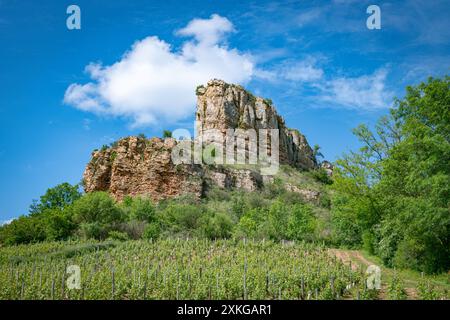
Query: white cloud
(367, 92)
(2, 223)
(302, 71)
(294, 71)
(309, 16)
(208, 31)
(152, 82)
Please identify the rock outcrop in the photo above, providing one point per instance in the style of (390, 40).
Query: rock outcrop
(139, 166)
(225, 106)
(328, 167)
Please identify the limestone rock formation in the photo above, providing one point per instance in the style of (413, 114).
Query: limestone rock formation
(223, 106)
(139, 166)
(306, 194)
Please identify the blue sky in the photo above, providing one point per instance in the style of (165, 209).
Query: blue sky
(133, 65)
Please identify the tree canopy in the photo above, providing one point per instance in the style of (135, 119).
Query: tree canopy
(393, 193)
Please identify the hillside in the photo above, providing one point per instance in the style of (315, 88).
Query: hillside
(228, 118)
(308, 230)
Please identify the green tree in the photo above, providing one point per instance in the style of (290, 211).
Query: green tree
(139, 208)
(316, 151)
(178, 218)
(167, 134)
(217, 225)
(396, 188)
(24, 229)
(57, 197)
(301, 223)
(58, 224)
(48, 219)
(97, 214)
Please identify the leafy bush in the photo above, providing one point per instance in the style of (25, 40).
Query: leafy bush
(139, 208)
(199, 89)
(97, 214)
(252, 223)
(58, 224)
(301, 223)
(216, 226)
(23, 230)
(133, 228)
(92, 230)
(368, 241)
(277, 220)
(152, 231)
(117, 235)
(167, 134)
(268, 101)
(181, 218)
(218, 194)
(274, 189)
(346, 227)
(322, 176)
(97, 207)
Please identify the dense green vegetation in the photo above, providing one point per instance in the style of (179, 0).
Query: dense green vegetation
(274, 213)
(392, 196)
(167, 134)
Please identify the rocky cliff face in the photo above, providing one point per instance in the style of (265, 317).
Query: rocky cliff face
(225, 106)
(139, 166)
(136, 166)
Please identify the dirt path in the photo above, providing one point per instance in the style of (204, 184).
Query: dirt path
(351, 256)
(357, 260)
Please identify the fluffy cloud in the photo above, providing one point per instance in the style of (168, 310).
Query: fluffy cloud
(302, 71)
(208, 31)
(152, 82)
(3, 223)
(292, 71)
(367, 92)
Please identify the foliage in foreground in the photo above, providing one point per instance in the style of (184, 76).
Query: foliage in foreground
(393, 195)
(177, 269)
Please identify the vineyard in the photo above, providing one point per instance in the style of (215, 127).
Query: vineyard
(173, 269)
(179, 269)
